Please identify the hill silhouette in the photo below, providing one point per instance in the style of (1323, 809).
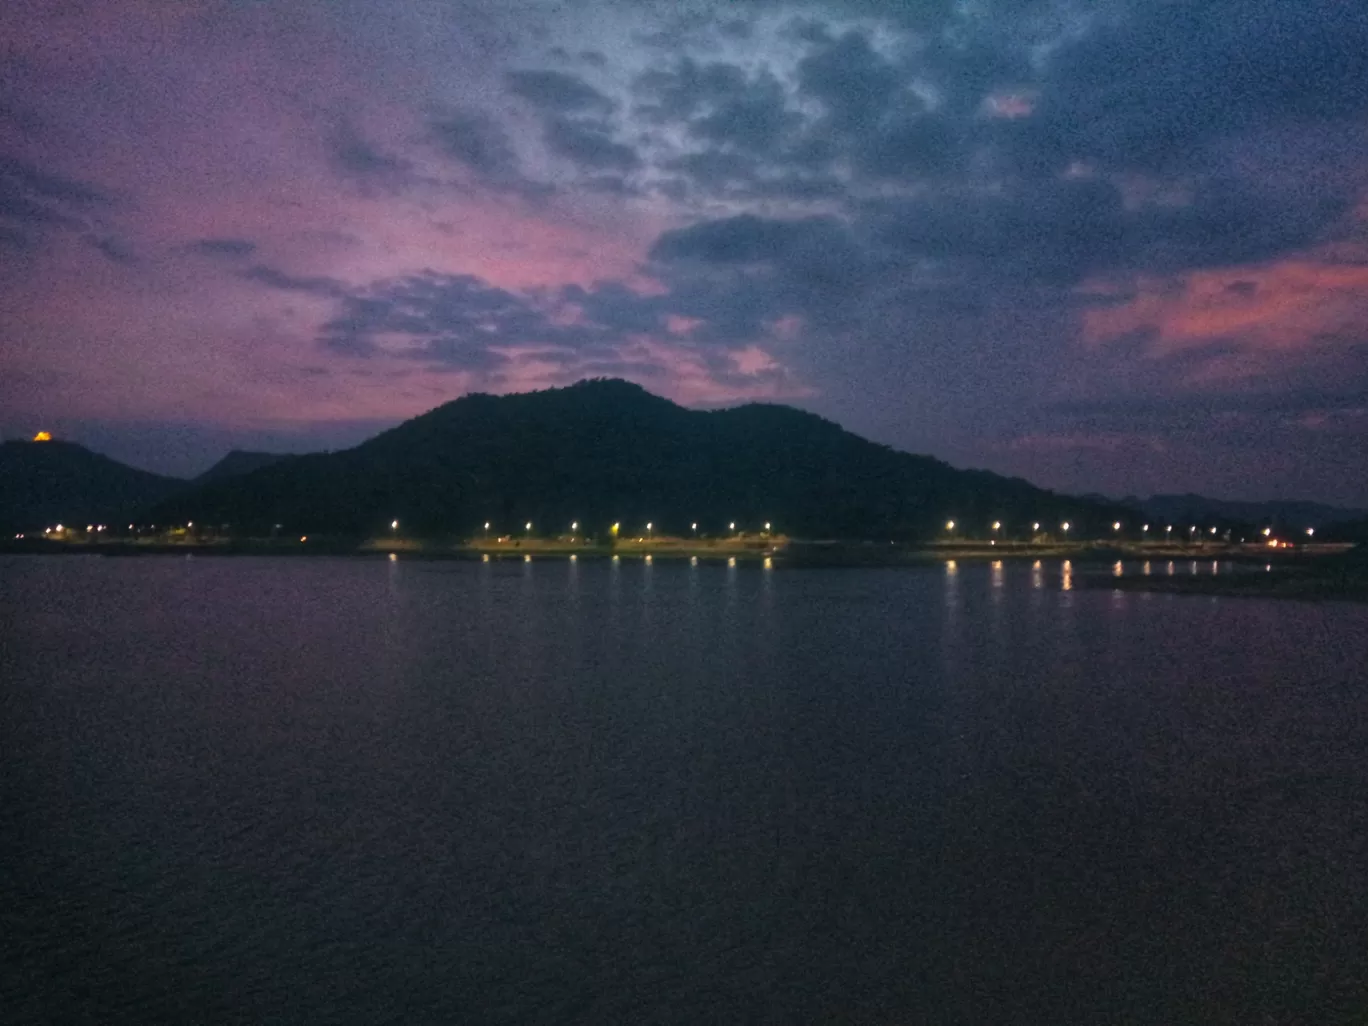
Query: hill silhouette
(239, 462)
(46, 483)
(1177, 509)
(607, 451)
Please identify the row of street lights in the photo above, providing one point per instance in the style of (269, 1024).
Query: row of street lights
(614, 530)
(1117, 527)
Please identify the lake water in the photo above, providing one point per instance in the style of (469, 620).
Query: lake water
(355, 791)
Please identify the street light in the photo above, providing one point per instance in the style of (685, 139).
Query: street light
(949, 525)
(528, 525)
(1116, 526)
(731, 526)
(1035, 526)
(997, 525)
(1145, 529)
(574, 526)
(394, 525)
(694, 527)
(1310, 531)
(767, 526)
(1065, 527)
(1267, 531)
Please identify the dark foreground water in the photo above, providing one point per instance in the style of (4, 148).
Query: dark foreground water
(356, 791)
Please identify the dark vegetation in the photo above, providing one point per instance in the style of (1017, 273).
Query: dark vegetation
(45, 483)
(607, 451)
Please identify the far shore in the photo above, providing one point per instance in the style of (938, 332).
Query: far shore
(1327, 572)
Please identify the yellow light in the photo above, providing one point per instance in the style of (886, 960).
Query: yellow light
(693, 527)
(304, 538)
(693, 561)
(528, 525)
(527, 559)
(1213, 530)
(1267, 531)
(484, 558)
(1035, 526)
(393, 558)
(731, 526)
(1310, 531)
(648, 525)
(486, 525)
(1116, 526)
(767, 525)
(949, 525)
(731, 561)
(769, 563)
(394, 525)
(1065, 525)
(43, 436)
(574, 526)
(1272, 543)
(648, 559)
(573, 557)
(997, 525)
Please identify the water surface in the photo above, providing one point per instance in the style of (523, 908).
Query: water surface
(360, 791)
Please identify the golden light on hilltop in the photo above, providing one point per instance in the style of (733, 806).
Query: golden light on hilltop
(43, 436)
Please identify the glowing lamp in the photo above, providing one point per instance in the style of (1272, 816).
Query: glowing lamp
(43, 436)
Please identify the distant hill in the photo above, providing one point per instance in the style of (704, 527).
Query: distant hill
(608, 451)
(1292, 514)
(1346, 531)
(239, 462)
(45, 483)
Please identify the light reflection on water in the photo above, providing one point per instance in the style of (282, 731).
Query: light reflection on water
(576, 786)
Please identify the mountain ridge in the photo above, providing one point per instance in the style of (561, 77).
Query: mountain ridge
(604, 451)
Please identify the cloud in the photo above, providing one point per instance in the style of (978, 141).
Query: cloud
(854, 82)
(590, 145)
(360, 159)
(478, 141)
(558, 92)
(222, 247)
(276, 279)
(34, 202)
(116, 251)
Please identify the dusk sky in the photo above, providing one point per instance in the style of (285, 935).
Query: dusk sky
(1115, 246)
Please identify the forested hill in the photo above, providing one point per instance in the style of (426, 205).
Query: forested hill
(607, 451)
